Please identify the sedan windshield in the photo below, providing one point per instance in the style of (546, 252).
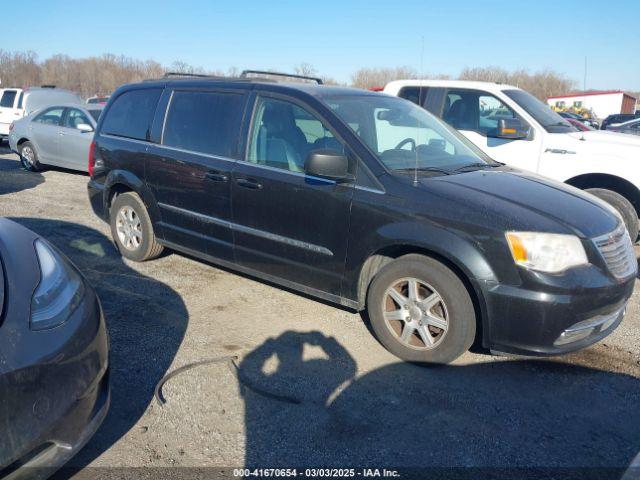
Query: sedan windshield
(404, 136)
(542, 113)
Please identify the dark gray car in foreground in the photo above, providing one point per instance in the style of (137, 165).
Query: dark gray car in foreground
(54, 381)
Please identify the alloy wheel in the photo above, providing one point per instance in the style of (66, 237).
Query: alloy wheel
(415, 313)
(129, 228)
(28, 156)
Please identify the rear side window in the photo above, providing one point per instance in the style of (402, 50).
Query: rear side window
(204, 122)
(8, 98)
(132, 113)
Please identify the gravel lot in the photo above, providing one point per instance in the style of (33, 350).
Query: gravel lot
(338, 398)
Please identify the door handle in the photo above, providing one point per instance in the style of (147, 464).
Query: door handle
(216, 176)
(249, 183)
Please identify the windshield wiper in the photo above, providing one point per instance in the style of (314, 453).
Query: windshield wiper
(424, 169)
(558, 124)
(478, 165)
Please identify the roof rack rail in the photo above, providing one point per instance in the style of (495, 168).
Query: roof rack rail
(246, 73)
(197, 75)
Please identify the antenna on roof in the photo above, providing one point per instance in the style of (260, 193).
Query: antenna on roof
(415, 171)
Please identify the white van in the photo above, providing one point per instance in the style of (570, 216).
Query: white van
(15, 103)
(514, 127)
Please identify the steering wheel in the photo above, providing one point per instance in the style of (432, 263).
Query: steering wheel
(404, 142)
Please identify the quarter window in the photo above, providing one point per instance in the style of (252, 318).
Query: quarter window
(131, 114)
(284, 134)
(204, 122)
(51, 116)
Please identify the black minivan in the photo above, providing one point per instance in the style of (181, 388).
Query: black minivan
(364, 200)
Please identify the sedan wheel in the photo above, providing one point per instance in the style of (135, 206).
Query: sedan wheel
(29, 157)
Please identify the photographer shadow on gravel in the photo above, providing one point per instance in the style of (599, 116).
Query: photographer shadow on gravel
(314, 412)
(145, 318)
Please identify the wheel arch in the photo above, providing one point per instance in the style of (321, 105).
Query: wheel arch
(609, 182)
(122, 181)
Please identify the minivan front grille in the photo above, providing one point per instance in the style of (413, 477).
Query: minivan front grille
(618, 253)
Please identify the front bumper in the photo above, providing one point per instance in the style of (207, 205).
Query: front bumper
(51, 408)
(552, 316)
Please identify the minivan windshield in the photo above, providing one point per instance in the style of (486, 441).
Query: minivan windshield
(404, 136)
(542, 113)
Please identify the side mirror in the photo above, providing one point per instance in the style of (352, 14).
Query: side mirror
(329, 164)
(510, 129)
(84, 127)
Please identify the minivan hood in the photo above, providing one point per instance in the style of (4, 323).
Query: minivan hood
(526, 201)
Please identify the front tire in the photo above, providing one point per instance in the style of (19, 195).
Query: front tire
(131, 228)
(421, 311)
(624, 208)
(29, 157)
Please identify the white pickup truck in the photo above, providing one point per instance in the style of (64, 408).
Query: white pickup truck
(514, 127)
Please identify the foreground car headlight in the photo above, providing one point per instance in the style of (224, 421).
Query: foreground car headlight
(546, 252)
(59, 292)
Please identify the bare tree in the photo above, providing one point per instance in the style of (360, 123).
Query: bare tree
(543, 84)
(379, 77)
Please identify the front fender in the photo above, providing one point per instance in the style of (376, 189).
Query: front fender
(415, 237)
(450, 245)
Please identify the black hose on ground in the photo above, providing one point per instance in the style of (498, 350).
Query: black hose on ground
(230, 360)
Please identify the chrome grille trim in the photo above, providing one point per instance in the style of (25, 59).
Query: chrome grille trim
(617, 251)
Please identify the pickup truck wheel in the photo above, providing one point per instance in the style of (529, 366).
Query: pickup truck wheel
(131, 228)
(421, 311)
(29, 157)
(623, 206)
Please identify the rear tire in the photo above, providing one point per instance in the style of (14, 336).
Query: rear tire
(131, 228)
(429, 299)
(623, 206)
(29, 157)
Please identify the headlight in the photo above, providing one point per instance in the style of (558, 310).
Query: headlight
(546, 252)
(59, 292)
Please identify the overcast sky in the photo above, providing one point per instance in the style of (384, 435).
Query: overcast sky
(339, 36)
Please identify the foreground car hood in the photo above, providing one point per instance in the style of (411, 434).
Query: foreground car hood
(527, 201)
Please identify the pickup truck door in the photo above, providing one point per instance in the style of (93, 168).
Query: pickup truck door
(475, 114)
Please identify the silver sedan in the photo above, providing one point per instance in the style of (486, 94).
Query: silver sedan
(59, 135)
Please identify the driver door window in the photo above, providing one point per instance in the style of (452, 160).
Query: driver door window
(284, 134)
(475, 111)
